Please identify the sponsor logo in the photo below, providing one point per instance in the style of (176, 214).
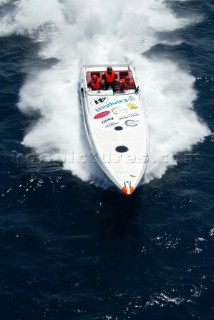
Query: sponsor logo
(118, 110)
(110, 104)
(132, 106)
(101, 115)
(131, 123)
(131, 98)
(129, 116)
(111, 124)
(98, 101)
(107, 120)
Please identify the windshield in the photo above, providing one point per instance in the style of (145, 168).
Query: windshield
(108, 92)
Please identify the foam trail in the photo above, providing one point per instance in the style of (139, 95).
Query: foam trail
(115, 33)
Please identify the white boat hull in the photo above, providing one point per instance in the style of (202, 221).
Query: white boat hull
(117, 132)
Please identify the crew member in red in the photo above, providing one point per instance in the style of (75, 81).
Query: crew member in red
(109, 77)
(126, 83)
(95, 83)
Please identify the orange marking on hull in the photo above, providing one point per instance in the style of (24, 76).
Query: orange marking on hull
(128, 190)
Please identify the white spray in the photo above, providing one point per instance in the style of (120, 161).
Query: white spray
(102, 32)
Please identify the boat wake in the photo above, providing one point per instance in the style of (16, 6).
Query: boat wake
(68, 31)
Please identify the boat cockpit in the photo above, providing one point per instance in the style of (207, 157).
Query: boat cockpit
(121, 74)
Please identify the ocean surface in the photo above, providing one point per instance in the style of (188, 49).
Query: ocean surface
(71, 246)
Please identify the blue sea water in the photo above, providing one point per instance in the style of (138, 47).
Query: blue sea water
(71, 250)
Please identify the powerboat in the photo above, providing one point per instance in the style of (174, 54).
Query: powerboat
(116, 126)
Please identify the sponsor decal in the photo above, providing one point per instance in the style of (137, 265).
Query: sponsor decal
(98, 101)
(129, 116)
(107, 120)
(131, 123)
(101, 115)
(131, 98)
(118, 110)
(110, 104)
(111, 124)
(132, 106)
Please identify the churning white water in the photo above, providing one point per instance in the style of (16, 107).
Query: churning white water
(97, 31)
